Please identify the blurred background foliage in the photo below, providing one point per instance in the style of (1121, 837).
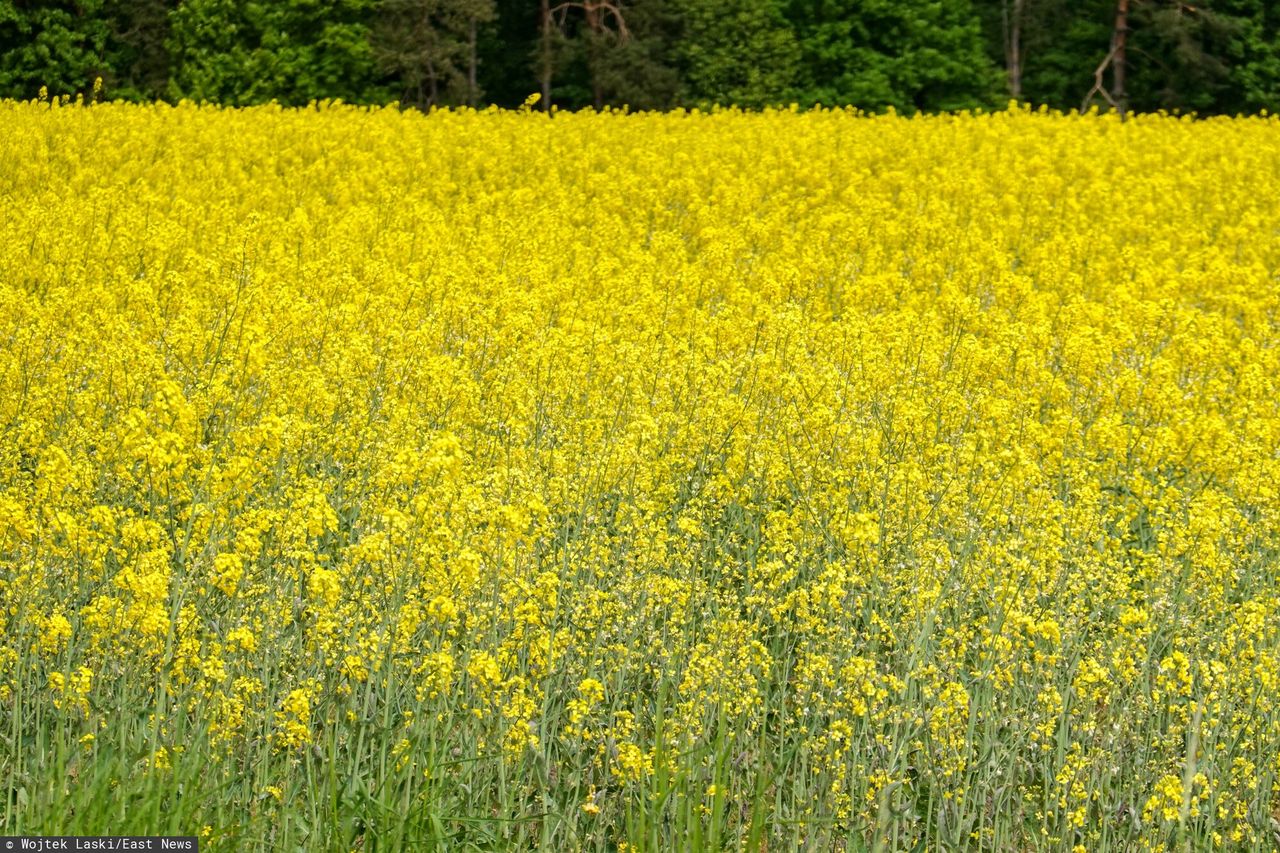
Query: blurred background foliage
(1214, 56)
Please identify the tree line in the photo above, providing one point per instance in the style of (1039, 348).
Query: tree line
(1208, 56)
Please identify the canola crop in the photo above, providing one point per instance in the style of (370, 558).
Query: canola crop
(496, 480)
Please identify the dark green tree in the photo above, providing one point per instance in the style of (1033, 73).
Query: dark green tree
(574, 44)
(740, 52)
(293, 51)
(1252, 57)
(1047, 49)
(59, 45)
(508, 53)
(1179, 53)
(616, 54)
(430, 48)
(1169, 55)
(639, 71)
(908, 54)
(138, 48)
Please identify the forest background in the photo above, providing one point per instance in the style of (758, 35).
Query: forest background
(1209, 57)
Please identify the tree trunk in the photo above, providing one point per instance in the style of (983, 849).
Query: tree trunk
(1118, 93)
(473, 90)
(595, 52)
(595, 32)
(1013, 47)
(544, 65)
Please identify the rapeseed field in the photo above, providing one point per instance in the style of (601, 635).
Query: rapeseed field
(496, 480)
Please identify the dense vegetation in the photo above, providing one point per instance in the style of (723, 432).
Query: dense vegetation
(1216, 56)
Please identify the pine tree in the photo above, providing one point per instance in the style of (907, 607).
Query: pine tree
(639, 71)
(430, 48)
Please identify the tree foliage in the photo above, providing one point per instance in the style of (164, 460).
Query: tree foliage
(430, 47)
(59, 45)
(881, 53)
(737, 51)
(293, 51)
(1208, 56)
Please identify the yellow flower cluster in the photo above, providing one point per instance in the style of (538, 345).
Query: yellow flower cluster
(787, 479)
